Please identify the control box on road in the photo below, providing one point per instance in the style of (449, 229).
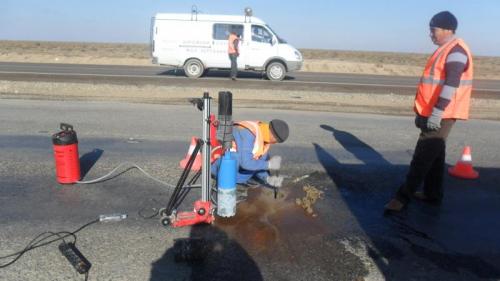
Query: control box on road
(199, 42)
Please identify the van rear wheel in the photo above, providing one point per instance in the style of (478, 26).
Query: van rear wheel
(276, 71)
(194, 68)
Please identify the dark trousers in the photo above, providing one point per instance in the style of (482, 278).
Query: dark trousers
(427, 165)
(234, 65)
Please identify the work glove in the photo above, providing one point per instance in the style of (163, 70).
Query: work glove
(420, 121)
(434, 121)
(274, 181)
(275, 163)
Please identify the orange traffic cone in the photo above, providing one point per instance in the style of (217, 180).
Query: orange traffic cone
(197, 161)
(463, 168)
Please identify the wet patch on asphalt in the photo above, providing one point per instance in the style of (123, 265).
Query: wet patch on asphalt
(284, 234)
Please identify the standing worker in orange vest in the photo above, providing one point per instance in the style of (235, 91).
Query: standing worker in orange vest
(233, 52)
(443, 96)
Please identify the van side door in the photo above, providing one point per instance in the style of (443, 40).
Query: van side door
(219, 57)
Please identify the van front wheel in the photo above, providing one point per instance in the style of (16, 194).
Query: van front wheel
(276, 71)
(193, 68)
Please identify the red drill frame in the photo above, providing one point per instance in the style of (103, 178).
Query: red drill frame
(203, 211)
(200, 214)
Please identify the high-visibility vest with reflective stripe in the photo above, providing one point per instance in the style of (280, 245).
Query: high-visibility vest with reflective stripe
(230, 46)
(432, 81)
(259, 146)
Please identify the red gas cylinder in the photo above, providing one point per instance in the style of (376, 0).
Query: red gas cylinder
(65, 145)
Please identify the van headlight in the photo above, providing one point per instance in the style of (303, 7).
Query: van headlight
(298, 56)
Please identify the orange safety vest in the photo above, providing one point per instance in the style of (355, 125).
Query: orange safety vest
(259, 146)
(432, 82)
(230, 46)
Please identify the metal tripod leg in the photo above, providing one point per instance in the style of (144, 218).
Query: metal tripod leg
(202, 208)
(174, 199)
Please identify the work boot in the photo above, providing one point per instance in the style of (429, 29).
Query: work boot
(394, 205)
(420, 195)
(253, 183)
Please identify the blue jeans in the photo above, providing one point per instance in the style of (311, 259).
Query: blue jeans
(234, 65)
(242, 176)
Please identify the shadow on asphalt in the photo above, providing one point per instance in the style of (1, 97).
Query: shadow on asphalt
(208, 254)
(251, 75)
(427, 241)
(88, 160)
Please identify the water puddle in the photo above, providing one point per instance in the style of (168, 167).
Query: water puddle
(263, 223)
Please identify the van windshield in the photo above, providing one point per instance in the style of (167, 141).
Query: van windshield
(280, 40)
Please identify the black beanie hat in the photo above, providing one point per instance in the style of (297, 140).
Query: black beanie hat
(444, 20)
(279, 129)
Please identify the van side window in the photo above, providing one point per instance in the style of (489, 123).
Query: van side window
(222, 30)
(260, 34)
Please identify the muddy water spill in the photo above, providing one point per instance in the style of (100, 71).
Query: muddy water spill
(263, 224)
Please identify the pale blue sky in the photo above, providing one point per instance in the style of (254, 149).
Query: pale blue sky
(383, 25)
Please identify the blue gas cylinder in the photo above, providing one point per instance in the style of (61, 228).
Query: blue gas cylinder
(226, 185)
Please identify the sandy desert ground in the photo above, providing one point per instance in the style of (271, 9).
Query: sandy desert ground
(383, 63)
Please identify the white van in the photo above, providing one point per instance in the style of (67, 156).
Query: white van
(198, 42)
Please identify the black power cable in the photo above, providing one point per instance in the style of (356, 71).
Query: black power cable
(38, 242)
(68, 249)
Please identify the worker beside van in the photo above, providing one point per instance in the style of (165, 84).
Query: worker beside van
(203, 45)
(252, 141)
(233, 52)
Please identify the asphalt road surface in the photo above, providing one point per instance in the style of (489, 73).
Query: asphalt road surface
(356, 160)
(154, 75)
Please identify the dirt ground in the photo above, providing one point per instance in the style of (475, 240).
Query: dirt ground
(315, 60)
(277, 99)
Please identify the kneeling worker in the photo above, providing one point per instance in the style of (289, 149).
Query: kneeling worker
(253, 140)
